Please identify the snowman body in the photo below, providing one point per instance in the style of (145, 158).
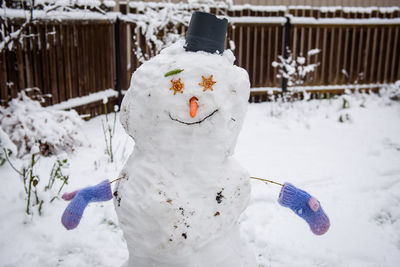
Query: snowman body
(183, 192)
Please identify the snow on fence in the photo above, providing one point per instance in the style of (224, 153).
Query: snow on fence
(79, 56)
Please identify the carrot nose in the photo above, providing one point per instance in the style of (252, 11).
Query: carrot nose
(193, 106)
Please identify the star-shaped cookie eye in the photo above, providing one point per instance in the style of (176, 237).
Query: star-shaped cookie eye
(207, 83)
(177, 86)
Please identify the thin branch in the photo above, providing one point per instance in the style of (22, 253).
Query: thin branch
(265, 180)
(9, 161)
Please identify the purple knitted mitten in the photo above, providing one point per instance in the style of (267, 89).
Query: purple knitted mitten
(80, 199)
(305, 206)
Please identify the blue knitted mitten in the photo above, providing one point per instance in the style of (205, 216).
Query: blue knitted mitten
(305, 206)
(80, 199)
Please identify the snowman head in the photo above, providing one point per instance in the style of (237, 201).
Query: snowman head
(199, 108)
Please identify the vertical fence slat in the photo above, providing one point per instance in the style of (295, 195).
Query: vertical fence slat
(262, 57)
(387, 60)
(345, 57)
(28, 60)
(107, 60)
(254, 57)
(44, 59)
(73, 40)
(247, 64)
(276, 44)
(316, 74)
(351, 71)
(324, 56)
(112, 58)
(11, 73)
(269, 68)
(124, 56)
(308, 48)
(339, 57)
(68, 59)
(98, 56)
(3, 79)
(60, 62)
(380, 55)
(366, 55)
(86, 61)
(241, 46)
(81, 62)
(395, 58)
(103, 55)
(332, 58)
(91, 46)
(20, 66)
(52, 63)
(360, 54)
(294, 43)
(36, 57)
(374, 47)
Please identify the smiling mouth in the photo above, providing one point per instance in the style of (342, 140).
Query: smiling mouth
(195, 122)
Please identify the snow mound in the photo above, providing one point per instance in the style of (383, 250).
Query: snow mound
(27, 124)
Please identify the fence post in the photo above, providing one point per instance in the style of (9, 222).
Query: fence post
(117, 36)
(286, 52)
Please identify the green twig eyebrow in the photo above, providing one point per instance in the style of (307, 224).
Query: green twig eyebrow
(173, 72)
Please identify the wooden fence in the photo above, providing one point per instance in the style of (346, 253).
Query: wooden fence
(64, 60)
(349, 53)
(76, 58)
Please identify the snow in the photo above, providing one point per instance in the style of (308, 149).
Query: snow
(248, 19)
(321, 87)
(294, 69)
(276, 8)
(232, 45)
(301, 60)
(340, 21)
(313, 52)
(351, 167)
(109, 3)
(347, 9)
(83, 100)
(59, 15)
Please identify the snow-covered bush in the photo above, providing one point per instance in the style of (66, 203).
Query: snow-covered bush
(295, 69)
(393, 91)
(27, 124)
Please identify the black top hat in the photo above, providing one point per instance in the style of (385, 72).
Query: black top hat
(206, 33)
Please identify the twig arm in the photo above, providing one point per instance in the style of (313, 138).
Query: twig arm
(265, 180)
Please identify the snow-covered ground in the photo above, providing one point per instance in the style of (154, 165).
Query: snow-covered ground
(352, 167)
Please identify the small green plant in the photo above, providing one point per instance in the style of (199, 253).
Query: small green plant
(345, 103)
(57, 174)
(109, 130)
(2, 158)
(31, 179)
(344, 118)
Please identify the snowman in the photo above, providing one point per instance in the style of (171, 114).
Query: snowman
(181, 192)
